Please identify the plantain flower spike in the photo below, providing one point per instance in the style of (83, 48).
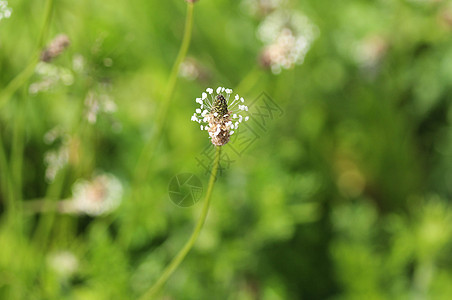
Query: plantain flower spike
(218, 115)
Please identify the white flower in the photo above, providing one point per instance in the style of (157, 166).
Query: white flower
(220, 110)
(287, 36)
(56, 160)
(96, 103)
(5, 11)
(101, 195)
(64, 263)
(50, 75)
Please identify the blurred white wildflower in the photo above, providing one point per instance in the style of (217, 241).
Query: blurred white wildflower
(261, 7)
(188, 70)
(56, 159)
(96, 103)
(98, 196)
(53, 134)
(369, 52)
(5, 11)
(64, 263)
(50, 75)
(55, 48)
(191, 69)
(78, 63)
(219, 116)
(287, 37)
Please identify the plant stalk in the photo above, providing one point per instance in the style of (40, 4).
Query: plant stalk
(189, 244)
(150, 147)
(22, 77)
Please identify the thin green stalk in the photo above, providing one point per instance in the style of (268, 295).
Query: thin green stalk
(22, 77)
(248, 81)
(189, 244)
(51, 200)
(4, 170)
(45, 223)
(149, 148)
(17, 148)
(6, 182)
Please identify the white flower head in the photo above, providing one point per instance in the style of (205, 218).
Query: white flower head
(63, 263)
(5, 11)
(96, 103)
(98, 196)
(219, 112)
(287, 36)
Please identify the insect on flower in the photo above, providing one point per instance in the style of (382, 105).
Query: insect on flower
(219, 116)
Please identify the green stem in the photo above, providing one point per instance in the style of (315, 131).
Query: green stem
(45, 223)
(149, 148)
(189, 244)
(45, 25)
(23, 76)
(5, 180)
(248, 81)
(17, 148)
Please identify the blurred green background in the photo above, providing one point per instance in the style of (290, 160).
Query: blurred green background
(345, 194)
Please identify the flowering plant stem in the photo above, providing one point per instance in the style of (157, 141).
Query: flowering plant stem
(189, 244)
(23, 76)
(149, 148)
(249, 81)
(6, 182)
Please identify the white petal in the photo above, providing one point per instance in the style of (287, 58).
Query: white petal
(237, 96)
(218, 89)
(198, 111)
(241, 99)
(199, 100)
(202, 127)
(209, 90)
(215, 114)
(228, 91)
(247, 118)
(234, 116)
(204, 96)
(232, 132)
